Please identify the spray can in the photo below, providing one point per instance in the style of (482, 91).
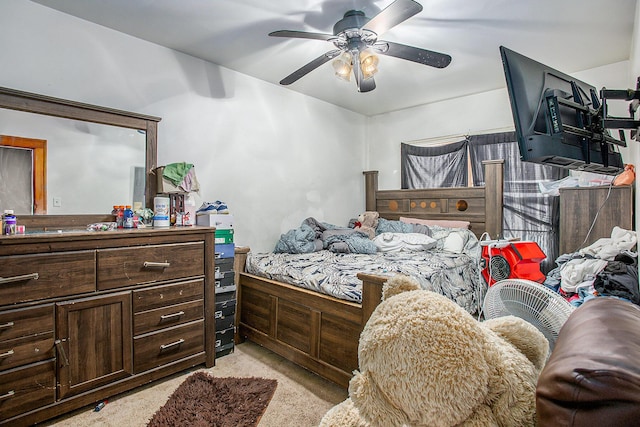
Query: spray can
(9, 221)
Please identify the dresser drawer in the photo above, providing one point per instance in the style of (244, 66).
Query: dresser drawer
(24, 389)
(167, 345)
(161, 296)
(147, 264)
(26, 322)
(22, 351)
(32, 277)
(152, 320)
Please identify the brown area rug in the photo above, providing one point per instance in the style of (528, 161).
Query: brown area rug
(203, 400)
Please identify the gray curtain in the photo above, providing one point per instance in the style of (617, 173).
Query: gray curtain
(528, 214)
(434, 167)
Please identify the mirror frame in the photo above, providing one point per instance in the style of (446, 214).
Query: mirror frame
(57, 107)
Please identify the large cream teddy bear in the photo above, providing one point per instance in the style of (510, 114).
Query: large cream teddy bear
(424, 361)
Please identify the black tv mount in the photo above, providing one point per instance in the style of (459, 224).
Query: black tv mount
(622, 122)
(592, 123)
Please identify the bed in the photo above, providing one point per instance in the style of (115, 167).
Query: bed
(319, 331)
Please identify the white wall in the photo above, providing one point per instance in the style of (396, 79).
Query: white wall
(475, 114)
(275, 156)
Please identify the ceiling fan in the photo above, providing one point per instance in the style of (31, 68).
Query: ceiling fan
(355, 37)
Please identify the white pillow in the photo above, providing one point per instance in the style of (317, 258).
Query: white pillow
(454, 242)
(394, 242)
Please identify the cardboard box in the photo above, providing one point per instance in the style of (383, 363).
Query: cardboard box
(223, 236)
(225, 251)
(220, 221)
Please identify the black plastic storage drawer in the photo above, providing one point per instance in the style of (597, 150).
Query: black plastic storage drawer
(224, 337)
(225, 285)
(224, 350)
(224, 267)
(225, 296)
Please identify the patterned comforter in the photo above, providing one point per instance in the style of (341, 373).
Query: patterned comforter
(455, 275)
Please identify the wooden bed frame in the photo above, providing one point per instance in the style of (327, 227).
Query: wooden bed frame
(320, 332)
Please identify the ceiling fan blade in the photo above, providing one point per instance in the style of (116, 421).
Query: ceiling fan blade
(301, 35)
(415, 54)
(392, 15)
(306, 69)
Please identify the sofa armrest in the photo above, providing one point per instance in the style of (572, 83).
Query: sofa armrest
(592, 378)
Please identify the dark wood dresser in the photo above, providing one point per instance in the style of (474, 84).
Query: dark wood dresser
(87, 315)
(579, 207)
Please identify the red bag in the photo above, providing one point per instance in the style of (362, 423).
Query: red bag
(627, 177)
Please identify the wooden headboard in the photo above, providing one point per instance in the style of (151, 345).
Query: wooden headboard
(481, 206)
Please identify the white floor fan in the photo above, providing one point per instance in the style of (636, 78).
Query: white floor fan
(531, 301)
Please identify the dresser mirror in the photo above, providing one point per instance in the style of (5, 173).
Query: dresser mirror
(94, 157)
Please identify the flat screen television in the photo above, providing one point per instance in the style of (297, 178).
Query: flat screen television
(558, 118)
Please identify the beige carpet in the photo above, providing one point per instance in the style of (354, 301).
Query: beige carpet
(301, 398)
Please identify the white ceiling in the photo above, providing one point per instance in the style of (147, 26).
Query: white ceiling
(569, 35)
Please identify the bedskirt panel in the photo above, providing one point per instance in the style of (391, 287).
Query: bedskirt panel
(337, 339)
(256, 310)
(294, 325)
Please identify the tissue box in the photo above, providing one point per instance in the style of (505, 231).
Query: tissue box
(220, 221)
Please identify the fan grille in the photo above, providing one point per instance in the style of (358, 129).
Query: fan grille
(528, 300)
(499, 268)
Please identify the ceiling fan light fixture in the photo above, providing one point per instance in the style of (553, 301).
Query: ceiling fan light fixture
(368, 64)
(342, 66)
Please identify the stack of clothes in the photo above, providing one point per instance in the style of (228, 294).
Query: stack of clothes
(608, 267)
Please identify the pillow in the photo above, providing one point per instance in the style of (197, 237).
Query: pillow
(394, 242)
(449, 223)
(454, 242)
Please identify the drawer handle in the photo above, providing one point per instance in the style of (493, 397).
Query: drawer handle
(169, 316)
(150, 264)
(7, 354)
(7, 325)
(60, 348)
(7, 395)
(31, 276)
(173, 344)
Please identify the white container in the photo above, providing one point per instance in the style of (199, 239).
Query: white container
(190, 210)
(161, 212)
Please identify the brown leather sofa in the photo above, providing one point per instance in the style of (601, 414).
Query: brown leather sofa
(592, 378)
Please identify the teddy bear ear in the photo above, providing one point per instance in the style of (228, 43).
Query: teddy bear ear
(523, 335)
(398, 284)
(371, 404)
